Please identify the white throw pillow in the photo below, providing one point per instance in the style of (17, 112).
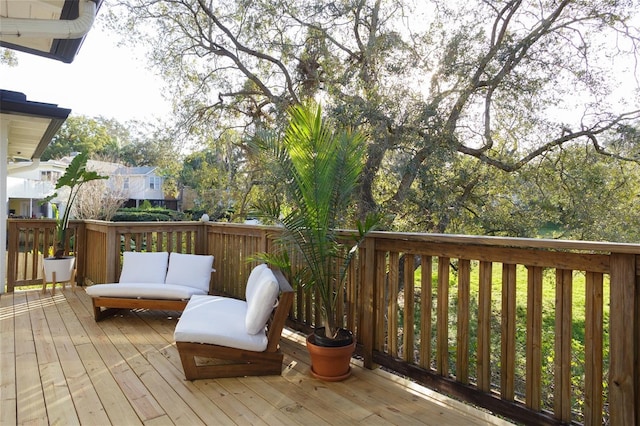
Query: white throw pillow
(144, 267)
(192, 270)
(262, 298)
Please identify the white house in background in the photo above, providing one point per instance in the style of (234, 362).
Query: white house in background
(30, 182)
(142, 183)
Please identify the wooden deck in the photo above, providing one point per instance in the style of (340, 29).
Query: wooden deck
(59, 367)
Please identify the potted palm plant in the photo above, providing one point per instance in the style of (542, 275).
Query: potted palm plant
(321, 167)
(74, 177)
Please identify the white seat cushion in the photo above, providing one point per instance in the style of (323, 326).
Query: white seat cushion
(144, 267)
(218, 321)
(190, 270)
(262, 297)
(144, 291)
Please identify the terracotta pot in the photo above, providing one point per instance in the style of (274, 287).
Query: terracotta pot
(63, 268)
(330, 363)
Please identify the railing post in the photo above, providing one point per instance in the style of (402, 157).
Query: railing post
(624, 323)
(112, 255)
(202, 240)
(12, 229)
(366, 330)
(80, 251)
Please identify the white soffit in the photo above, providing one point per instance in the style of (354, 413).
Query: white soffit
(31, 9)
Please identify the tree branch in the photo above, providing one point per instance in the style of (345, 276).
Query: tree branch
(252, 52)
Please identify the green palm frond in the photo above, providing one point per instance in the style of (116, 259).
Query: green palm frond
(322, 169)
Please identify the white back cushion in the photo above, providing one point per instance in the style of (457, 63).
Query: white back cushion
(144, 267)
(253, 280)
(192, 270)
(262, 297)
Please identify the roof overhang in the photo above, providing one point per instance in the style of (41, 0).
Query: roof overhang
(50, 28)
(30, 125)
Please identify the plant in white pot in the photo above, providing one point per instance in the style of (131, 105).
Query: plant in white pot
(74, 177)
(321, 167)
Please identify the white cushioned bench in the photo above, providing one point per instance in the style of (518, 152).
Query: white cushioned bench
(244, 334)
(153, 280)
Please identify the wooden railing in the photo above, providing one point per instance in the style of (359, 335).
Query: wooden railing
(540, 331)
(29, 241)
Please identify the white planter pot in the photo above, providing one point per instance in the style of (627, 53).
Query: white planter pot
(63, 268)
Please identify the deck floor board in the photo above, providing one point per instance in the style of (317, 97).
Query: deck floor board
(58, 366)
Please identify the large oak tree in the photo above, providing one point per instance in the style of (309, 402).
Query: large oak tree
(444, 90)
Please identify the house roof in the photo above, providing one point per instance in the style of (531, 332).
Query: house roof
(31, 125)
(142, 170)
(17, 17)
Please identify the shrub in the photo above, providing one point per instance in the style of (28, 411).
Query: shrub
(155, 214)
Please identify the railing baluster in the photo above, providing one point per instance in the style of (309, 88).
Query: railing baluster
(534, 338)
(409, 309)
(462, 338)
(392, 305)
(593, 349)
(426, 309)
(562, 358)
(380, 306)
(508, 333)
(484, 327)
(442, 325)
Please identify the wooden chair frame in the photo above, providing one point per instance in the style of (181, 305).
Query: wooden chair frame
(232, 362)
(114, 304)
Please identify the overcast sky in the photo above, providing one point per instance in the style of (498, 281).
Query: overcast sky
(102, 80)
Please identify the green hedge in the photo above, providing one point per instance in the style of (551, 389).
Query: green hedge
(155, 214)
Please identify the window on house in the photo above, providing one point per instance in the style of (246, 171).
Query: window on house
(49, 176)
(154, 183)
(125, 184)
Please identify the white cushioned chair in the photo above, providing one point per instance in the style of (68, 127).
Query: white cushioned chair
(243, 334)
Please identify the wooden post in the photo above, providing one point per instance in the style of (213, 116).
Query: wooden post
(562, 356)
(201, 242)
(462, 337)
(12, 257)
(534, 338)
(593, 349)
(368, 276)
(508, 332)
(484, 327)
(442, 326)
(623, 323)
(112, 261)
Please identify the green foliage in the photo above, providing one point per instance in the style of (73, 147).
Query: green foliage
(322, 167)
(94, 136)
(146, 205)
(147, 214)
(216, 175)
(468, 107)
(74, 177)
(131, 143)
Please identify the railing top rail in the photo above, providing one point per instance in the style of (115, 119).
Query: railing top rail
(478, 240)
(150, 223)
(525, 243)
